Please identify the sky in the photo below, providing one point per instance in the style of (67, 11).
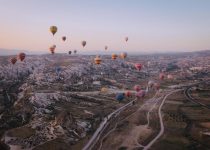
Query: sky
(151, 25)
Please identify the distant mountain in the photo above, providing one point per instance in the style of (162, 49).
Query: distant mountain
(6, 52)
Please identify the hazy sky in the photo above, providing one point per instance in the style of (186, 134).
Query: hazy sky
(151, 25)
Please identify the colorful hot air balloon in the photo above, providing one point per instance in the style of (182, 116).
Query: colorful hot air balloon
(123, 55)
(83, 43)
(114, 56)
(138, 66)
(126, 39)
(69, 52)
(53, 29)
(106, 47)
(120, 97)
(161, 76)
(13, 60)
(22, 56)
(97, 60)
(64, 38)
(137, 88)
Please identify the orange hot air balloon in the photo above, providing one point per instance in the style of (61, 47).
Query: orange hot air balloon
(13, 60)
(22, 56)
(97, 60)
(106, 47)
(138, 66)
(161, 76)
(123, 55)
(84, 43)
(126, 39)
(64, 38)
(114, 56)
(53, 29)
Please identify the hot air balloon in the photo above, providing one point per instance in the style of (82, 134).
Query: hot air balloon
(138, 66)
(64, 38)
(120, 97)
(126, 39)
(114, 56)
(137, 88)
(52, 49)
(128, 94)
(106, 47)
(83, 43)
(151, 84)
(53, 29)
(58, 69)
(75, 51)
(13, 60)
(123, 55)
(22, 56)
(54, 46)
(69, 52)
(157, 86)
(140, 94)
(97, 60)
(161, 76)
(104, 90)
(170, 77)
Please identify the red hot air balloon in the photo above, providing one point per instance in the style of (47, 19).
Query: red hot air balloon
(22, 56)
(161, 76)
(13, 60)
(64, 38)
(138, 66)
(128, 94)
(137, 88)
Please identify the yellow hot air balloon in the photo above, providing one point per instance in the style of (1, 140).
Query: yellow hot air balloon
(104, 90)
(53, 29)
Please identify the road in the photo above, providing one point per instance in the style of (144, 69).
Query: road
(190, 98)
(161, 122)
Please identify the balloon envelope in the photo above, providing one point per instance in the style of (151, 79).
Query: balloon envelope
(138, 66)
(22, 56)
(120, 96)
(84, 43)
(53, 29)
